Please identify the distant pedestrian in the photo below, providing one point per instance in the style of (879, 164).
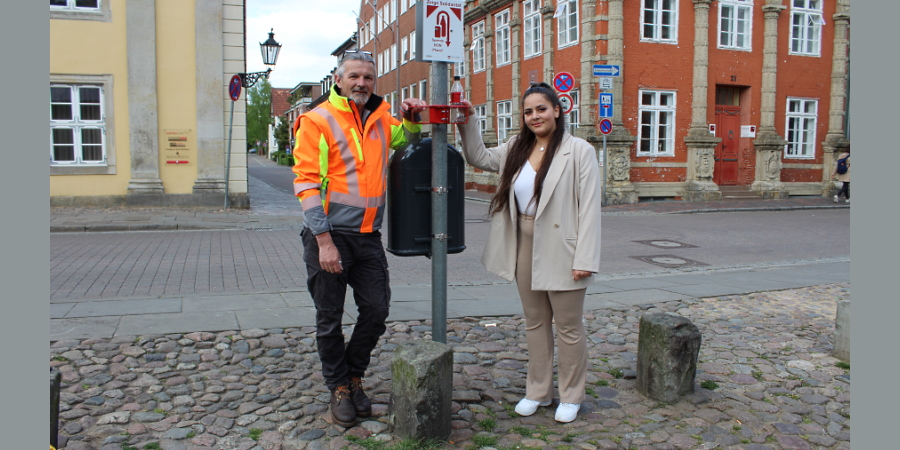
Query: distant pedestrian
(842, 174)
(545, 234)
(341, 158)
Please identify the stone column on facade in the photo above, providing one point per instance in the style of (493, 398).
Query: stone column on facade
(836, 141)
(588, 83)
(619, 189)
(490, 133)
(142, 102)
(768, 144)
(701, 146)
(547, 32)
(210, 159)
(515, 30)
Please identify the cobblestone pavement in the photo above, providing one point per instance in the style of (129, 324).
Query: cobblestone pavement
(768, 353)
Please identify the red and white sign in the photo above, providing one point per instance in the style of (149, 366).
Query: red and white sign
(567, 103)
(442, 38)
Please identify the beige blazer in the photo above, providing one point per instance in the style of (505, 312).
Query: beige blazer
(567, 221)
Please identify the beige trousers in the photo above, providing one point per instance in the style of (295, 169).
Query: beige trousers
(542, 308)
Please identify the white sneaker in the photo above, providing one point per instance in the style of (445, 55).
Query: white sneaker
(847, 201)
(835, 198)
(527, 407)
(566, 412)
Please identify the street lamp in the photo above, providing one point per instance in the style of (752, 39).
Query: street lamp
(270, 50)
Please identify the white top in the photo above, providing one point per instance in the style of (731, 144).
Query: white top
(524, 190)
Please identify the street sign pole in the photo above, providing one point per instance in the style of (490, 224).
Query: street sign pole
(439, 208)
(234, 91)
(603, 201)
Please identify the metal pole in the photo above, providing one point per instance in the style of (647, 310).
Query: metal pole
(228, 153)
(603, 200)
(439, 208)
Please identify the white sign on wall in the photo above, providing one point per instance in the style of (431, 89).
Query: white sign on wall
(440, 30)
(748, 131)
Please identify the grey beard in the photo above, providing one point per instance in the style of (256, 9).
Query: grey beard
(359, 99)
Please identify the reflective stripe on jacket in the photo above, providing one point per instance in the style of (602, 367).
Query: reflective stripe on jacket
(338, 156)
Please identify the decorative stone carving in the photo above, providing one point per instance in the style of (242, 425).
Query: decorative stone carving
(619, 167)
(705, 165)
(773, 167)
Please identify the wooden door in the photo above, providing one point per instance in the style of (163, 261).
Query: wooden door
(728, 127)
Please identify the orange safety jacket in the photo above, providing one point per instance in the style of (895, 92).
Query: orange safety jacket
(341, 164)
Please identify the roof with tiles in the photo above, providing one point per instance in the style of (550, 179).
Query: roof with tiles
(280, 103)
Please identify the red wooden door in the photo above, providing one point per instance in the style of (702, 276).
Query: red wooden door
(728, 127)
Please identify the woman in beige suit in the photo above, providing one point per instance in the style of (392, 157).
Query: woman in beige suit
(545, 234)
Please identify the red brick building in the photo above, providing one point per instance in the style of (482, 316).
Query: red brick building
(713, 97)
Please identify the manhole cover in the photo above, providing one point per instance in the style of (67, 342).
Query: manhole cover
(669, 261)
(665, 243)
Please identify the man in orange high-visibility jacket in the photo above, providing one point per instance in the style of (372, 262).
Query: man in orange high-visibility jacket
(341, 156)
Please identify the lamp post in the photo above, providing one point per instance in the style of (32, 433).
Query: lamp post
(270, 50)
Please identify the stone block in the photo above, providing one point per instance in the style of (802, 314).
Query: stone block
(842, 331)
(668, 350)
(421, 390)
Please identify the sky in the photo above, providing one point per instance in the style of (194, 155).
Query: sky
(308, 31)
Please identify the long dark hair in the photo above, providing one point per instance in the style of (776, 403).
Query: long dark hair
(521, 149)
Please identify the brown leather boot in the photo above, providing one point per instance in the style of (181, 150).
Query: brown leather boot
(360, 400)
(342, 408)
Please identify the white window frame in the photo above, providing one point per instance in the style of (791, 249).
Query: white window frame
(504, 120)
(394, 10)
(71, 11)
(404, 50)
(567, 23)
(459, 69)
(481, 114)
(412, 45)
(412, 90)
(806, 28)
(573, 117)
(380, 69)
(478, 47)
(649, 129)
(657, 15)
(405, 92)
(423, 90)
(800, 127)
(373, 27)
(531, 28)
(735, 24)
(107, 165)
(501, 38)
(392, 52)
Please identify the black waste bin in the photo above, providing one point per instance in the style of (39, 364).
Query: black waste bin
(409, 201)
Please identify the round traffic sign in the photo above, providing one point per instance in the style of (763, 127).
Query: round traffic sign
(564, 82)
(567, 103)
(605, 126)
(234, 87)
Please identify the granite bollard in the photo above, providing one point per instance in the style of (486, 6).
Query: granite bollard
(842, 331)
(668, 350)
(421, 390)
(55, 379)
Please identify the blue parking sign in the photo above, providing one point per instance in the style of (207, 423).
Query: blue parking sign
(606, 105)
